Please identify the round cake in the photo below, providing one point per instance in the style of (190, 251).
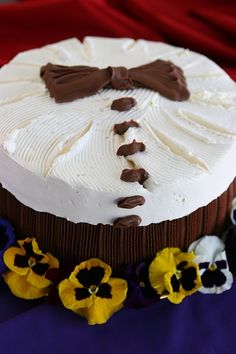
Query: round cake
(116, 173)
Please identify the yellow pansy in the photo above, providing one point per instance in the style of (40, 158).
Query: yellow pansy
(28, 266)
(174, 274)
(92, 293)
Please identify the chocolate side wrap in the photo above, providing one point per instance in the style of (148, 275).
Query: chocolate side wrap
(73, 243)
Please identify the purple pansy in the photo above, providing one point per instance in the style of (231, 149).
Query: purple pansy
(230, 248)
(7, 238)
(230, 240)
(140, 291)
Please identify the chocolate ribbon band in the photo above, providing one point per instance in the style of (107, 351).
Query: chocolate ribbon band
(67, 83)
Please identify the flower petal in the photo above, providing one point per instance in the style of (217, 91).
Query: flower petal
(119, 288)
(214, 278)
(140, 293)
(103, 308)
(104, 291)
(20, 287)
(184, 257)
(174, 274)
(15, 259)
(164, 262)
(210, 251)
(7, 234)
(233, 212)
(174, 293)
(207, 248)
(190, 279)
(177, 294)
(90, 272)
(30, 246)
(67, 293)
(230, 246)
(176, 297)
(205, 273)
(216, 288)
(99, 313)
(37, 275)
(52, 261)
(39, 281)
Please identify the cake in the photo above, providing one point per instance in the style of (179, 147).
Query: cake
(63, 164)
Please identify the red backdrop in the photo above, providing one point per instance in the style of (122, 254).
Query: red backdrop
(207, 26)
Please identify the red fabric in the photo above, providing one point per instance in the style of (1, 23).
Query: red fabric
(206, 26)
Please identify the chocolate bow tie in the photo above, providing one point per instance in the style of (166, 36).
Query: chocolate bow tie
(67, 83)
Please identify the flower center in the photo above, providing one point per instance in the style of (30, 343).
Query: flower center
(142, 284)
(31, 261)
(93, 289)
(212, 267)
(178, 274)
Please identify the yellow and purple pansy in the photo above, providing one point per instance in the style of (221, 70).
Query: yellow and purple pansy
(174, 274)
(91, 292)
(28, 266)
(211, 258)
(7, 238)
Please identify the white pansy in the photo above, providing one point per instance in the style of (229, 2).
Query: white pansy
(233, 211)
(211, 257)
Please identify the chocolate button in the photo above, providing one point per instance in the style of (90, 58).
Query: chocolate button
(123, 104)
(130, 149)
(131, 202)
(127, 221)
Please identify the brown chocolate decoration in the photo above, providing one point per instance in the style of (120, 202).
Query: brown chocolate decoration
(115, 246)
(122, 128)
(123, 104)
(134, 175)
(67, 83)
(127, 221)
(131, 202)
(130, 149)
(120, 78)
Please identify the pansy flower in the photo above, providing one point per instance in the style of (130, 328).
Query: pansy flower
(7, 238)
(233, 212)
(230, 248)
(211, 257)
(28, 267)
(174, 274)
(230, 240)
(140, 291)
(91, 292)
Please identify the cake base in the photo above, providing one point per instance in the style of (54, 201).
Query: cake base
(73, 243)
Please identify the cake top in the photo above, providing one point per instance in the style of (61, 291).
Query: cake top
(63, 158)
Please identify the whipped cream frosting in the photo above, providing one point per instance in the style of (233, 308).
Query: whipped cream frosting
(62, 158)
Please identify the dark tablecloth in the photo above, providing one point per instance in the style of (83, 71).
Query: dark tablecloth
(202, 324)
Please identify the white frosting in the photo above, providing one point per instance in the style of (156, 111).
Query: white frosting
(61, 158)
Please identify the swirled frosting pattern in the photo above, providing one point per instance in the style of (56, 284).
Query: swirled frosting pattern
(62, 158)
